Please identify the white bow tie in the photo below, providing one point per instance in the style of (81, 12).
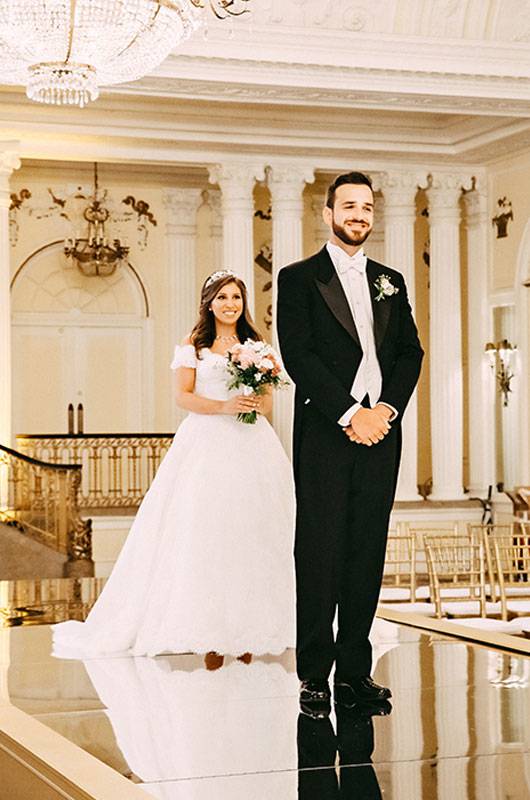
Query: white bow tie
(358, 262)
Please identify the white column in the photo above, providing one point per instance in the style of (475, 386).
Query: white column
(286, 184)
(236, 181)
(481, 399)
(8, 162)
(320, 229)
(375, 244)
(181, 232)
(399, 190)
(447, 414)
(216, 228)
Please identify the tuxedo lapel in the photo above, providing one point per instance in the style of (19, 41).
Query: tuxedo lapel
(330, 287)
(381, 308)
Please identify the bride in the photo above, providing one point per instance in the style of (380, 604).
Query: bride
(207, 565)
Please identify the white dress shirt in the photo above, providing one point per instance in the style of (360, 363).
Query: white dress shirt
(351, 271)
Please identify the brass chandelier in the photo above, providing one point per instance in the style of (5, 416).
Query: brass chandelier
(94, 253)
(64, 50)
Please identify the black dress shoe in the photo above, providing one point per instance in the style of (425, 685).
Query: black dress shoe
(315, 699)
(359, 690)
(364, 709)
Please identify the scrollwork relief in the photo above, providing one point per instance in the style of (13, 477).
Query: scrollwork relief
(69, 204)
(17, 201)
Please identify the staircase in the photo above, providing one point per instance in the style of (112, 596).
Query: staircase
(42, 534)
(22, 557)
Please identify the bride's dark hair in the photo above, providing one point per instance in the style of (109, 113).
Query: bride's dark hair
(203, 333)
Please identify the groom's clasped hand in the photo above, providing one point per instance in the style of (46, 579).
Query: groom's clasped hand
(369, 426)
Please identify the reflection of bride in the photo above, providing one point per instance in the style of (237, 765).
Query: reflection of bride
(239, 722)
(207, 565)
(177, 725)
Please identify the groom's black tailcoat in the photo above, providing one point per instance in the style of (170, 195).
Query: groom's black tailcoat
(344, 490)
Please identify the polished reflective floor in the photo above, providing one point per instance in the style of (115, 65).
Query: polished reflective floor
(458, 729)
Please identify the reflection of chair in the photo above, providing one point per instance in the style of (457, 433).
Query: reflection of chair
(512, 565)
(456, 566)
(400, 567)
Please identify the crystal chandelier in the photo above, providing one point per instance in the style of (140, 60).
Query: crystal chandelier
(93, 254)
(64, 50)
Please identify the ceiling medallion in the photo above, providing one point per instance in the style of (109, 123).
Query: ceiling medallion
(64, 50)
(93, 253)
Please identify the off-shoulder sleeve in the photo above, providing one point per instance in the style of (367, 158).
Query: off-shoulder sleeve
(184, 356)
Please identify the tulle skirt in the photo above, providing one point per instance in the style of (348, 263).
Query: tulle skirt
(208, 562)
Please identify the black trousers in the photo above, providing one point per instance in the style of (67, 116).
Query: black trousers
(344, 495)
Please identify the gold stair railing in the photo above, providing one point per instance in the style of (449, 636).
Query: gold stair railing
(40, 499)
(48, 600)
(117, 468)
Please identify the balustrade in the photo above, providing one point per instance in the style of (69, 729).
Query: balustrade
(117, 469)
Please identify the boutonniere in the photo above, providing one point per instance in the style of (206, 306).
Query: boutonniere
(385, 287)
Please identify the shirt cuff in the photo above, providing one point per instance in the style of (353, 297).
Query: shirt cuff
(344, 421)
(395, 413)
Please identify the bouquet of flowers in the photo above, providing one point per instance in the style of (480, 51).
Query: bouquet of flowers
(253, 366)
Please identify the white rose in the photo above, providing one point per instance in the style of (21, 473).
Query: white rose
(388, 290)
(266, 363)
(385, 283)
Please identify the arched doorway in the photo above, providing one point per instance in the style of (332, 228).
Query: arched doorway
(79, 340)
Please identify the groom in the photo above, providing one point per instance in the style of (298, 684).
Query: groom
(349, 343)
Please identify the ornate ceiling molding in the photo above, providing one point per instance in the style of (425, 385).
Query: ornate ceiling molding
(264, 82)
(340, 46)
(490, 21)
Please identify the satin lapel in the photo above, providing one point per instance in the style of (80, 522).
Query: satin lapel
(330, 287)
(381, 308)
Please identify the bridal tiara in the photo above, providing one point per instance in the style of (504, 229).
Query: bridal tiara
(216, 276)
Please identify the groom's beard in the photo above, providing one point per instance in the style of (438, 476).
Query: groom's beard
(350, 238)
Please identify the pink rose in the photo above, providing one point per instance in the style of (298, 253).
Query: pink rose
(245, 360)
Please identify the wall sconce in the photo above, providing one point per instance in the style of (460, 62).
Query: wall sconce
(500, 355)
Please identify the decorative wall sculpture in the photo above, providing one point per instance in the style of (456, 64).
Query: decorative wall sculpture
(503, 216)
(68, 204)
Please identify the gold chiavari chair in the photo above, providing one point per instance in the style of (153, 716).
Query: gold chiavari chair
(487, 533)
(457, 571)
(400, 566)
(512, 567)
(418, 532)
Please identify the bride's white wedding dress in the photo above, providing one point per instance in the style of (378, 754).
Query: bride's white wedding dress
(207, 564)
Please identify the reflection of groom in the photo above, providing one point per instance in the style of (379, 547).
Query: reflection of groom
(317, 745)
(350, 345)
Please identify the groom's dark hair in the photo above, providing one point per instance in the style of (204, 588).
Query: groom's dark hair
(356, 178)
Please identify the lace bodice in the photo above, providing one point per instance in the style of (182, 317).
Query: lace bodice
(211, 377)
